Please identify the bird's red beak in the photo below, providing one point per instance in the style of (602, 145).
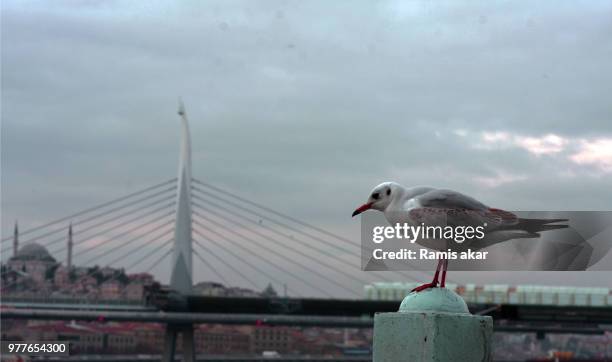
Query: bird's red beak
(361, 209)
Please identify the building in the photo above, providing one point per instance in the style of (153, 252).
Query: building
(138, 283)
(210, 289)
(241, 292)
(149, 337)
(85, 284)
(107, 272)
(61, 279)
(272, 339)
(119, 338)
(82, 339)
(134, 292)
(213, 289)
(141, 278)
(33, 260)
(110, 290)
(217, 339)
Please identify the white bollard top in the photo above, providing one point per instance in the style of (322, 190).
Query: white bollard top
(434, 300)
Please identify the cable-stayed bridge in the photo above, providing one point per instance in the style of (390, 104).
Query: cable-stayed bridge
(233, 238)
(235, 241)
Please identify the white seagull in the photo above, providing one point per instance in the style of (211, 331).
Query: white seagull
(430, 206)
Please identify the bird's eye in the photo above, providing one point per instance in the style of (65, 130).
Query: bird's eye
(375, 195)
(388, 192)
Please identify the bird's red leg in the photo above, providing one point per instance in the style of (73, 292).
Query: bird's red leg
(444, 268)
(434, 282)
(438, 268)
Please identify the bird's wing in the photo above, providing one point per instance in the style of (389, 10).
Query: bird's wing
(449, 199)
(456, 209)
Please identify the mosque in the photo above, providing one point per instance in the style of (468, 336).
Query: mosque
(34, 260)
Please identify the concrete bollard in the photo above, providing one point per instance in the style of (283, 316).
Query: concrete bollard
(432, 325)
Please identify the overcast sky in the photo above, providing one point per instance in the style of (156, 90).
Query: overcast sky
(306, 106)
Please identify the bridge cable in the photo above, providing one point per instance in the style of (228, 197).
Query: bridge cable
(308, 245)
(277, 213)
(228, 265)
(380, 273)
(169, 242)
(116, 217)
(93, 208)
(158, 261)
(279, 255)
(280, 223)
(286, 246)
(138, 237)
(146, 256)
(173, 195)
(243, 260)
(236, 256)
(92, 227)
(209, 266)
(125, 232)
(131, 252)
(283, 245)
(128, 232)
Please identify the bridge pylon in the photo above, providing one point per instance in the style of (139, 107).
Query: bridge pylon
(181, 279)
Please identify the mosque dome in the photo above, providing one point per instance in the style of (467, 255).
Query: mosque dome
(33, 251)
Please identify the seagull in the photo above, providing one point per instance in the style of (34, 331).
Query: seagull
(418, 206)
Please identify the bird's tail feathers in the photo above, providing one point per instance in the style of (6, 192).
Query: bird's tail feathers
(535, 226)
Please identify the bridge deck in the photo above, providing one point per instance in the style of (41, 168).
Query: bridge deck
(310, 312)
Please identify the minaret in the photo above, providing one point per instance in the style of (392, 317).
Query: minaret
(16, 239)
(181, 278)
(69, 256)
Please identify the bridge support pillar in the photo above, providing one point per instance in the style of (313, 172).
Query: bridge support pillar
(170, 339)
(432, 325)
